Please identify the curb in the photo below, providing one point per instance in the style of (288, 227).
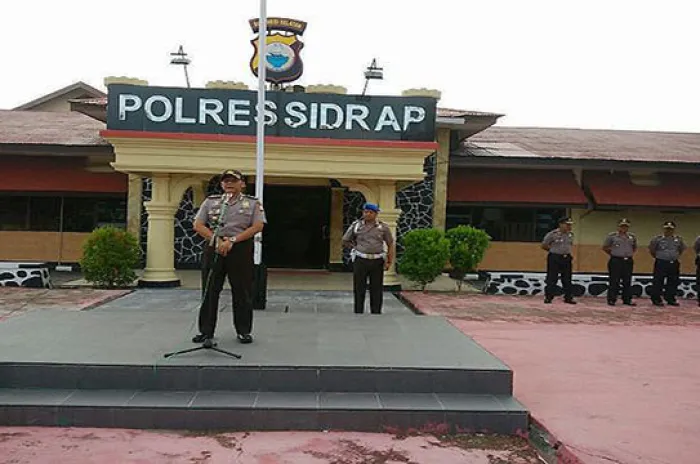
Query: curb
(107, 299)
(550, 448)
(408, 303)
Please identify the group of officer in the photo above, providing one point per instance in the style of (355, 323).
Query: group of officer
(621, 245)
(229, 221)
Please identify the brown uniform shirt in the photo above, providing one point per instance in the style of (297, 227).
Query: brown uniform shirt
(368, 237)
(621, 245)
(559, 242)
(240, 213)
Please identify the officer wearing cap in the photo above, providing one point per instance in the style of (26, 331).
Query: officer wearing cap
(666, 250)
(372, 253)
(621, 246)
(228, 223)
(696, 247)
(558, 243)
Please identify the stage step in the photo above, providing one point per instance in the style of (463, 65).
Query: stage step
(257, 410)
(494, 380)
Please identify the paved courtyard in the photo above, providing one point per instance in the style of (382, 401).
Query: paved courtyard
(614, 384)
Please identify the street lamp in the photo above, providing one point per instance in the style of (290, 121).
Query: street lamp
(373, 72)
(180, 59)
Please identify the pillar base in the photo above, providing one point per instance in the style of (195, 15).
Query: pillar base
(159, 284)
(159, 278)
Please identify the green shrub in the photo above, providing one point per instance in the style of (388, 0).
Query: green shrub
(109, 257)
(467, 248)
(425, 254)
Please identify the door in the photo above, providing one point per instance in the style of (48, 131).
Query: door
(296, 234)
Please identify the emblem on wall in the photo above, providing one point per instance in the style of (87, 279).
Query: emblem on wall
(283, 47)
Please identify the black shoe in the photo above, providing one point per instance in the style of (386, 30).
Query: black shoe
(201, 338)
(673, 303)
(629, 303)
(245, 338)
(570, 302)
(548, 300)
(657, 303)
(612, 303)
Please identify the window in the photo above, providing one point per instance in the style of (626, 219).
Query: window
(14, 213)
(86, 214)
(506, 224)
(43, 213)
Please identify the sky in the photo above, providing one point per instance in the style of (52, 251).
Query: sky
(613, 64)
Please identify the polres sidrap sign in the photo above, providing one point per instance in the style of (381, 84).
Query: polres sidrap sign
(287, 114)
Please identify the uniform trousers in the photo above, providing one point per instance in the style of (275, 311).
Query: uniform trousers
(237, 265)
(620, 275)
(665, 281)
(558, 265)
(374, 269)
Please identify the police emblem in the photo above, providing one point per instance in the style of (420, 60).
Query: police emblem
(282, 58)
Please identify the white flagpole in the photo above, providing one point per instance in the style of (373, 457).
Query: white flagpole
(260, 161)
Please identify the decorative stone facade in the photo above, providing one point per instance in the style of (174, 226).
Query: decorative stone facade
(532, 283)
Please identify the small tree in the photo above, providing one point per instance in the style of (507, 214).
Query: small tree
(110, 255)
(467, 248)
(425, 254)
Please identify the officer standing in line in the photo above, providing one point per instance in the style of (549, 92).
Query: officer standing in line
(666, 250)
(558, 243)
(228, 253)
(621, 246)
(368, 238)
(696, 247)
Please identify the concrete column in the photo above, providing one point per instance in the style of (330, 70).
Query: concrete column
(336, 229)
(390, 215)
(134, 204)
(442, 167)
(160, 256)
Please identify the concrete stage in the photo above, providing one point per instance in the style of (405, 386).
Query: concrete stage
(314, 366)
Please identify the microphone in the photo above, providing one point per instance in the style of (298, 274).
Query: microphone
(224, 204)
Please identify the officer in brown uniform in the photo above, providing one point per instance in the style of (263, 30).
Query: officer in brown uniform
(696, 247)
(666, 250)
(368, 238)
(558, 243)
(228, 222)
(621, 246)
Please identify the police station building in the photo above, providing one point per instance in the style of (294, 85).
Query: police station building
(144, 157)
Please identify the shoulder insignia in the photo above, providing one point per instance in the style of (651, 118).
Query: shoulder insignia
(612, 234)
(214, 197)
(250, 197)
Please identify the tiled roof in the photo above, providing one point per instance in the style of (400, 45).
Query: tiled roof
(584, 144)
(49, 128)
(455, 113)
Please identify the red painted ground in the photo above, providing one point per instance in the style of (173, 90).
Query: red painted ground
(614, 384)
(102, 446)
(16, 300)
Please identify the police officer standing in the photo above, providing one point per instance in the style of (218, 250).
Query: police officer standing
(666, 249)
(621, 246)
(558, 243)
(368, 238)
(228, 222)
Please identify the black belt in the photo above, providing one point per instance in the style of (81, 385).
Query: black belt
(563, 256)
(671, 261)
(624, 258)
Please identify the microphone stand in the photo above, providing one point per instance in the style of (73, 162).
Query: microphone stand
(208, 343)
